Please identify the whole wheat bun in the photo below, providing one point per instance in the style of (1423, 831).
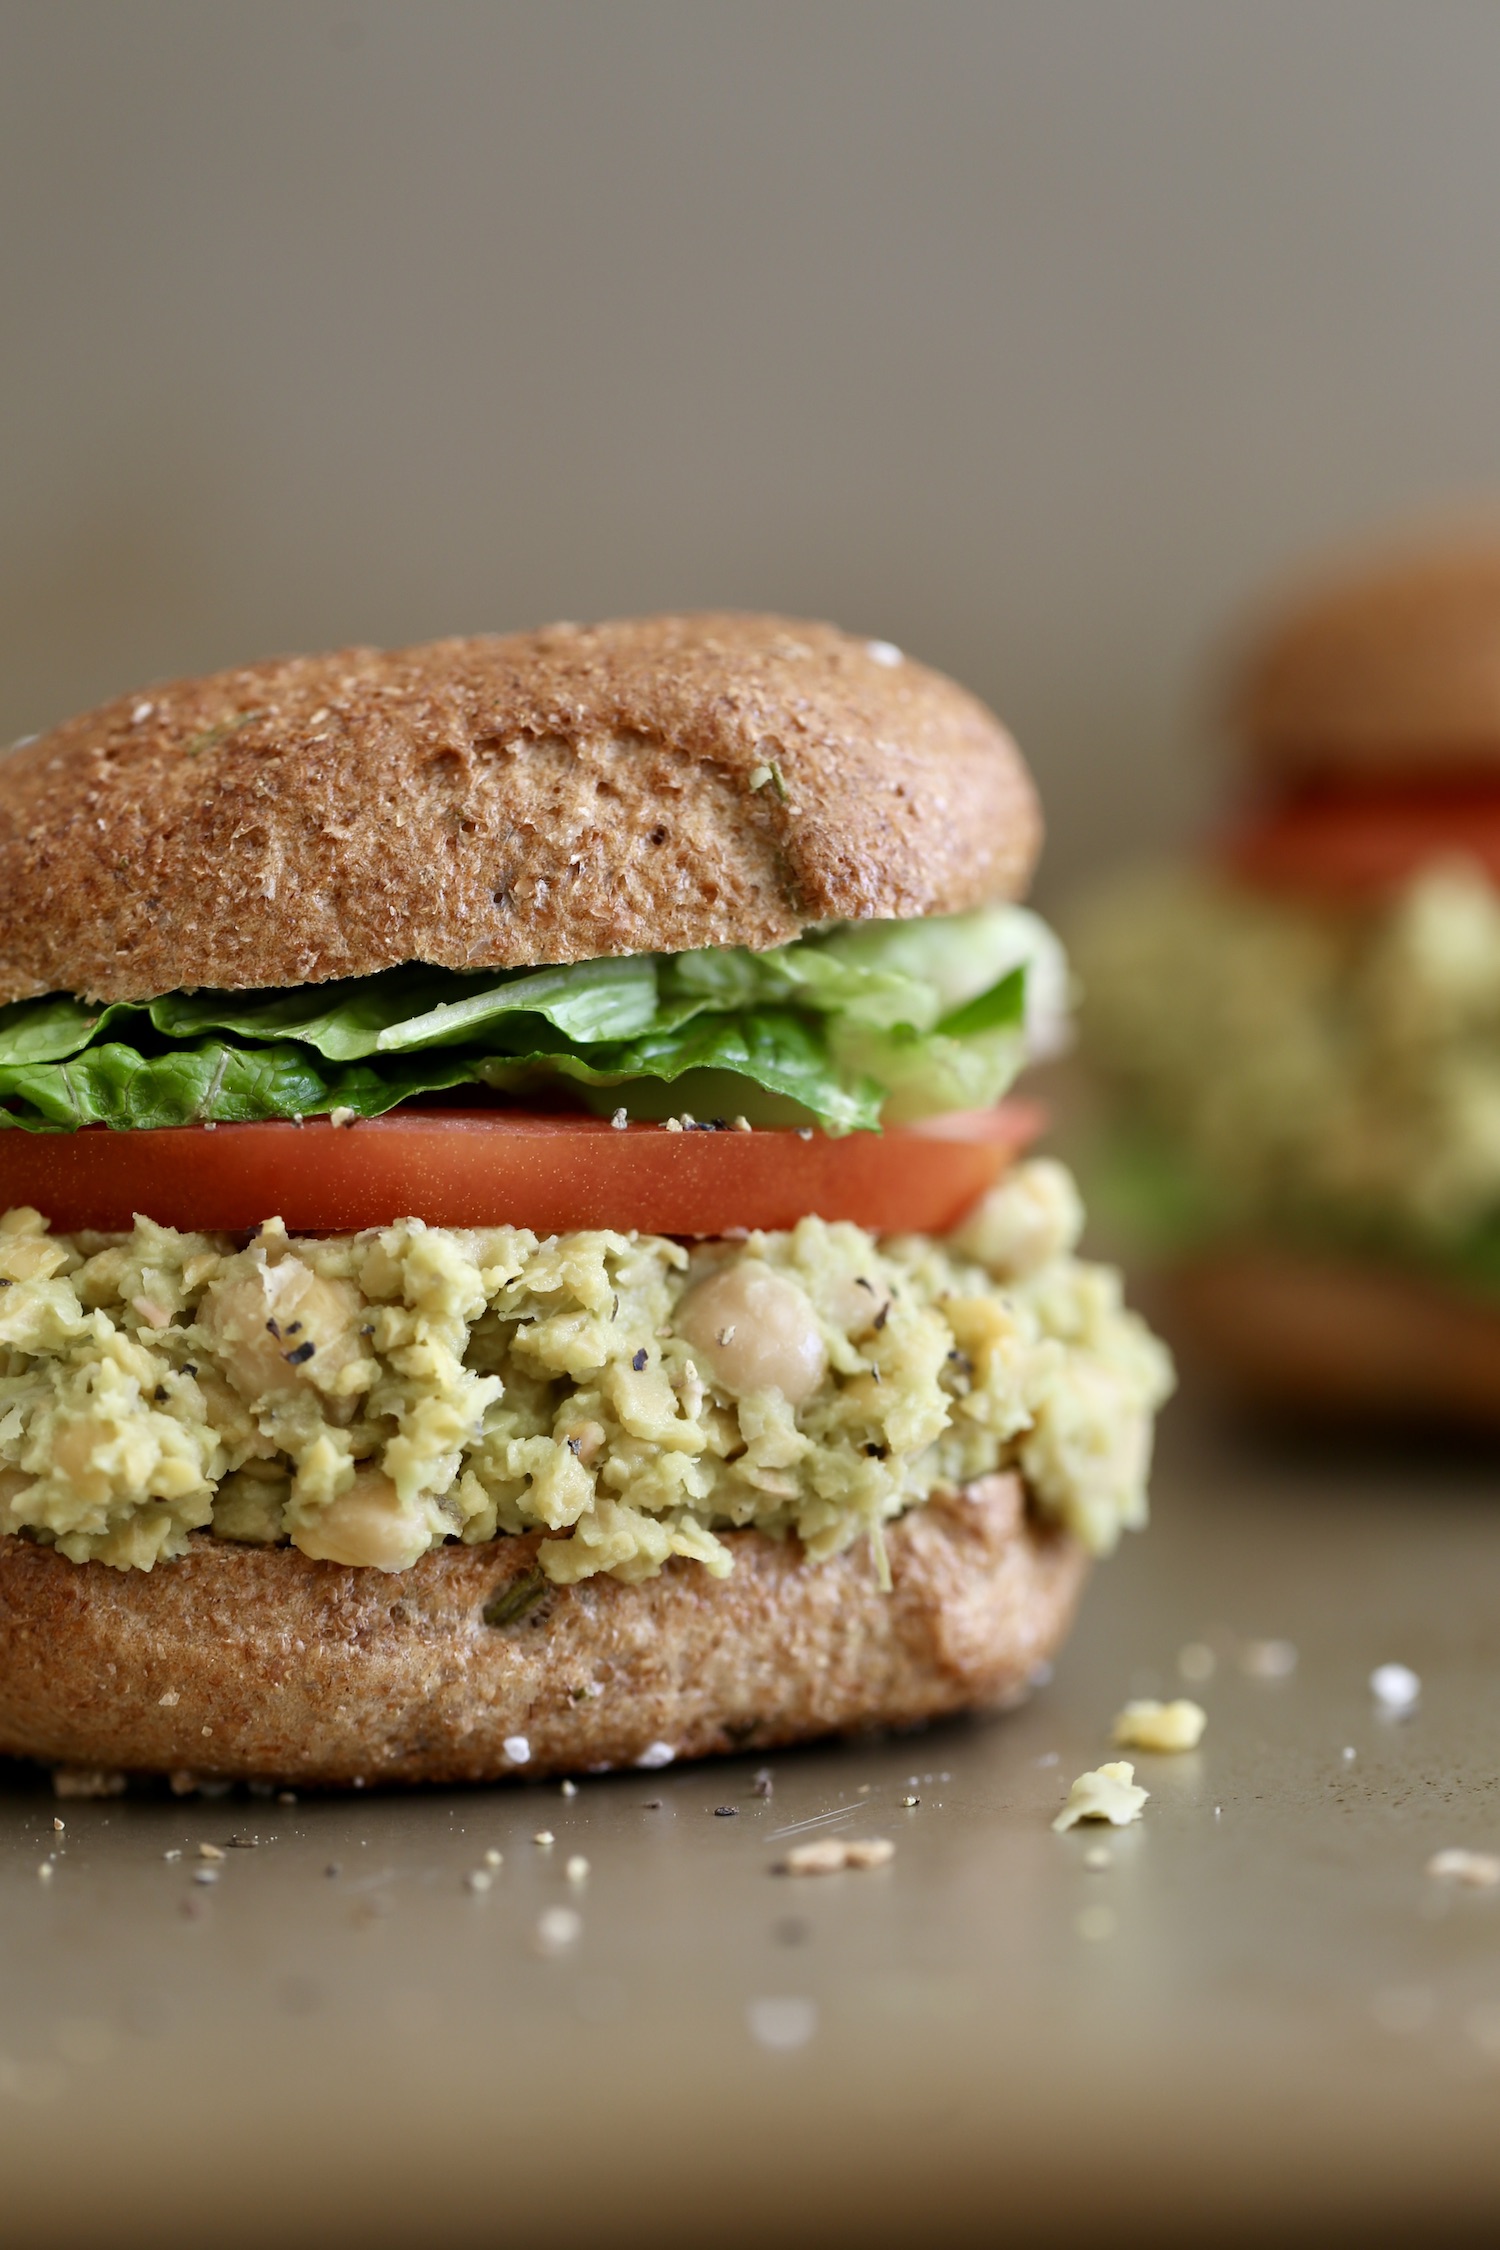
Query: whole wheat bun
(1334, 1339)
(651, 785)
(259, 1663)
(1388, 669)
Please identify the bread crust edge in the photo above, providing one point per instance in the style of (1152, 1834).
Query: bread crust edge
(250, 1663)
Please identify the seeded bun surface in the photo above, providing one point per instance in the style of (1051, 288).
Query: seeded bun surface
(650, 785)
(1335, 1339)
(259, 1663)
(1389, 671)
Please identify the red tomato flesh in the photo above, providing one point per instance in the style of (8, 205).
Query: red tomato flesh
(1341, 839)
(498, 1167)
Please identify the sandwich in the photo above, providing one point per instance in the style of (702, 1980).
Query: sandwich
(1301, 1029)
(519, 1255)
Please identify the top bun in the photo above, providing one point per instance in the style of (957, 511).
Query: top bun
(650, 785)
(1391, 669)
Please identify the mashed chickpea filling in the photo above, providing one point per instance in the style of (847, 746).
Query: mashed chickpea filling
(370, 1397)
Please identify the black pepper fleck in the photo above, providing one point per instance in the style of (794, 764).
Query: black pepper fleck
(273, 1330)
(639, 1361)
(302, 1353)
(725, 1812)
(882, 1317)
(876, 1451)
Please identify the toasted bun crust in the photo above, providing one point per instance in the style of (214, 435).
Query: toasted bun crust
(1335, 1339)
(275, 1666)
(497, 803)
(1389, 670)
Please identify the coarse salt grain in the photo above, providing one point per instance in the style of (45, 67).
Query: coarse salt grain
(517, 1749)
(883, 652)
(656, 1754)
(492, 1858)
(544, 1837)
(1395, 1687)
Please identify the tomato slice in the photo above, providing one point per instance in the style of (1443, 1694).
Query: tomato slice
(1337, 839)
(500, 1167)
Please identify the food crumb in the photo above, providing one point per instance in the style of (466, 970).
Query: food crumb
(167, 1701)
(1268, 1660)
(656, 1754)
(781, 2025)
(544, 1836)
(742, 1125)
(209, 1851)
(1196, 1662)
(492, 1858)
(517, 1749)
(568, 1789)
(86, 1781)
(832, 1855)
(59, 1825)
(1480, 1870)
(1149, 1725)
(342, 1115)
(172, 1855)
(1110, 1793)
(577, 1869)
(620, 1120)
(909, 1802)
(673, 1125)
(1396, 1688)
(557, 1929)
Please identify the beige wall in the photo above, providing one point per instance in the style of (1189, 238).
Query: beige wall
(1030, 336)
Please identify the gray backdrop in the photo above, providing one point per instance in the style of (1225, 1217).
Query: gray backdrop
(1031, 336)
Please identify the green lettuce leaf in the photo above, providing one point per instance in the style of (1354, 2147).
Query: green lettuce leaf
(845, 1027)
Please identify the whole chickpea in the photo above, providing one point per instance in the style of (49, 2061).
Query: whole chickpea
(755, 1330)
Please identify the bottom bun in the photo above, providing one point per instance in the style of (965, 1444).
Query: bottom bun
(251, 1662)
(1335, 1337)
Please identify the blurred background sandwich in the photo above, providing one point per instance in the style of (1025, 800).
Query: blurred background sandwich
(1300, 1026)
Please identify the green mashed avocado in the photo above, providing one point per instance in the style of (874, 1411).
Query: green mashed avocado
(1321, 1075)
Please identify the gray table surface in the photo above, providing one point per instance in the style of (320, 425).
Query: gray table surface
(1262, 2010)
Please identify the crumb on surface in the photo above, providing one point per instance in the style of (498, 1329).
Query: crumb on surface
(86, 1781)
(833, 1855)
(558, 1928)
(1480, 1870)
(1108, 1792)
(1268, 1660)
(1149, 1725)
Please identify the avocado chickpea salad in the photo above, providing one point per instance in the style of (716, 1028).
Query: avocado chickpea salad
(1321, 1074)
(369, 1395)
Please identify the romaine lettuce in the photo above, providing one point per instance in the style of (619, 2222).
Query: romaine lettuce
(846, 1026)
